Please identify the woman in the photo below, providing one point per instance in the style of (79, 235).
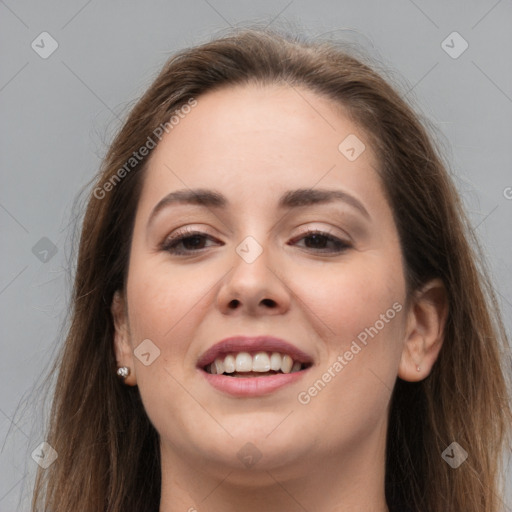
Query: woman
(277, 304)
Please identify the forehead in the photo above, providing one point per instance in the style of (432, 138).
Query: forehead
(255, 140)
(252, 113)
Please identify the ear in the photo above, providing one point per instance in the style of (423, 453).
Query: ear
(425, 331)
(122, 346)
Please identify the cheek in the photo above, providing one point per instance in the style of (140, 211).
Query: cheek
(362, 311)
(161, 307)
(363, 308)
(353, 296)
(162, 298)
(160, 311)
(353, 386)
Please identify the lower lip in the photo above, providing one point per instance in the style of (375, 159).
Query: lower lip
(252, 386)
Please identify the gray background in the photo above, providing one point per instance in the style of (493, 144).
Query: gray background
(59, 113)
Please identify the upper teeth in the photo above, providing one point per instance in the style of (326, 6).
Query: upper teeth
(258, 362)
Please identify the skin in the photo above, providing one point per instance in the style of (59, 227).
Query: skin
(253, 143)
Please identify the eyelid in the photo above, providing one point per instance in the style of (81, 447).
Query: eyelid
(328, 231)
(342, 242)
(170, 243)
(190, 231)
(185, 232)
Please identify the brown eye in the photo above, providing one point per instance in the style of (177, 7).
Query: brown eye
(190, 242)
(317, 240)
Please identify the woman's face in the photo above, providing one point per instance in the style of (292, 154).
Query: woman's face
(271, 155)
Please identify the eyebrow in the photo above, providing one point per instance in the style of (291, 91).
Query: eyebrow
(291, 199)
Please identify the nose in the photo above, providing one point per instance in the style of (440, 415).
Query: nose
(254, 286)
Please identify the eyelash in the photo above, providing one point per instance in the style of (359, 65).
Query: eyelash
(171, 243)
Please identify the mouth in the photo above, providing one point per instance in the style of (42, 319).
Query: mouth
(257, 364)
(253, 366)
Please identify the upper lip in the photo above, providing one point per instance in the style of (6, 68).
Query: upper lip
(252, 344)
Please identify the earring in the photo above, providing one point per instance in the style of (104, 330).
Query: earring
(123, 371)
(418, 368)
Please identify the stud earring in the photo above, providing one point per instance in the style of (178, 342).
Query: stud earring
(418, 369)
(123, 371)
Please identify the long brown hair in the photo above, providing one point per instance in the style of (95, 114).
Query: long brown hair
(108, 451)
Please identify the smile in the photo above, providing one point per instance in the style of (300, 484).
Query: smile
(259, 364)
(250, 366)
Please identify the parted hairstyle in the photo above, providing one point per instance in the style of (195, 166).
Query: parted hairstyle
(108, 450)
